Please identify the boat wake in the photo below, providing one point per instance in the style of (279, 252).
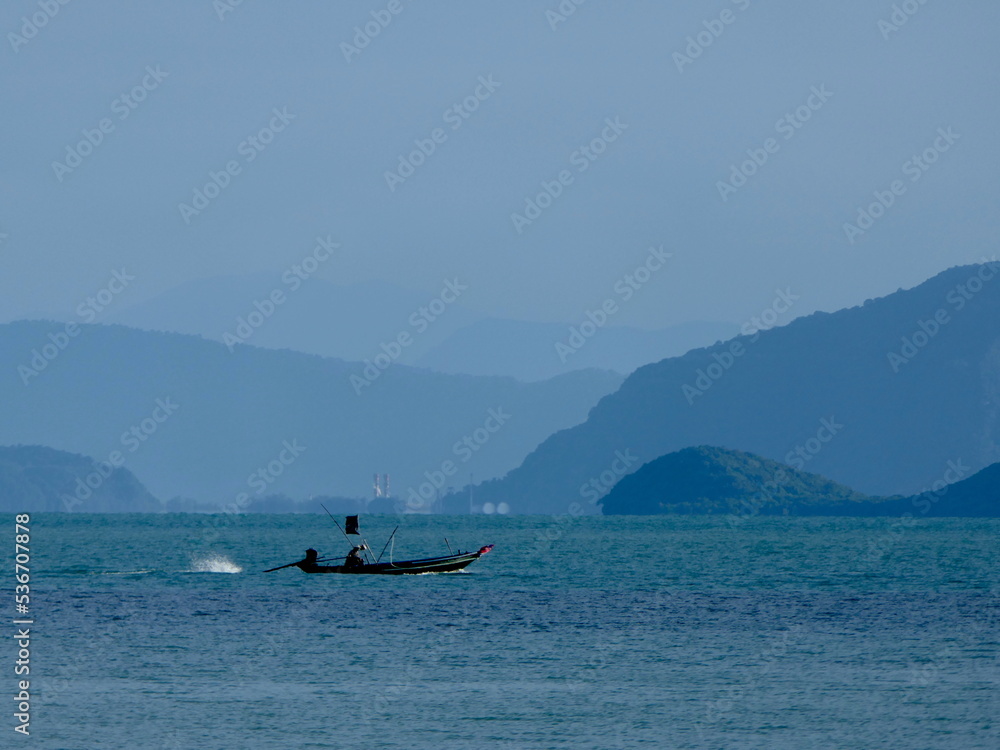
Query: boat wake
(214, 564)
(446, 573)
(83, 571)
(123, 572)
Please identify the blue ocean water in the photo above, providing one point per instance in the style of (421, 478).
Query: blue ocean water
(160, 631)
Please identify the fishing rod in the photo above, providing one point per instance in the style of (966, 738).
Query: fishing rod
(338, 524)
(386, 545)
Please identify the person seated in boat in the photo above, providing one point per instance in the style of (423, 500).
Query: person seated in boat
(310, 561)
(354, 559)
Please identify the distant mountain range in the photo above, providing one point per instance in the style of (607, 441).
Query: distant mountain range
(709, 480)
(899, 396)
(883, 398)
(527, 351)
(196, 421)
(351, 321)
(702, 480)
(35, 478)
(316, 317)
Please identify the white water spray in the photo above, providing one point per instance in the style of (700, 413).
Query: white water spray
(214, 564)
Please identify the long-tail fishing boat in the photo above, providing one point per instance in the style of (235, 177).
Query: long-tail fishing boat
(360, 560)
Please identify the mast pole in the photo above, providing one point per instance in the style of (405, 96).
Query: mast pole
(367, 550)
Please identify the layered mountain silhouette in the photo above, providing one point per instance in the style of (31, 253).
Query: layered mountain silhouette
(36, 478)
(350, 321)
(897, 397)
(316, 317)
(879, 397)
(194, 420)
(527, 350)
(710, 480)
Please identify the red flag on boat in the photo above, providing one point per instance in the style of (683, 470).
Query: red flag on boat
(484, 550)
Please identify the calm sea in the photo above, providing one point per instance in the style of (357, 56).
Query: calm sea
(160, 631)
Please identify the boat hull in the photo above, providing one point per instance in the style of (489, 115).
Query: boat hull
(447, 564)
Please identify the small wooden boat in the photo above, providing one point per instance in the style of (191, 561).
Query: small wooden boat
(356, 562)
(446, 564)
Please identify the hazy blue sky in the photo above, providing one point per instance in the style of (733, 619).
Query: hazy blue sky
(656, 184)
